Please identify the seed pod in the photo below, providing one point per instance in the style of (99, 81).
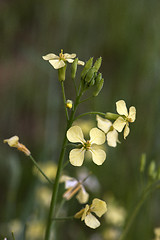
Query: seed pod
(74, 68)
(98, 64)
(111, 116)
(86, 68)
(98, 87)
(62, 73)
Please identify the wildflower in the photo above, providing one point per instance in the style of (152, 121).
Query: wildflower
(98, 207)
(107, 127)
(73, 186)
(76, 156)
(69, 104)
(125, 118)
(60, 61)
(14, 142)
(157, 233)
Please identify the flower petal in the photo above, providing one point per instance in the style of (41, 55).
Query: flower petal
(121, 108)
(98, 155)
(76, 157)
(112, 138)
(82, 196)
(57, 63)
(103, 124)
(70, 60)
(132, 114)
(79, 214)
(12, 142)
(50, 56)
(75, 134)
(81, 63)
(99, 207)
(97, 136)
(85, 212)
(67, 55)
(126, 131)
(119, 124)
(91, 221)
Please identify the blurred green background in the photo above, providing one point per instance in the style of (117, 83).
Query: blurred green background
(126, 34)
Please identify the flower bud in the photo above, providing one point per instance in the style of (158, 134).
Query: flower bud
(98, 64)
(152, 170)
(111, 116)
(69, 104)
(89, 75)
(62, 73)
(74, 68)
(87, 66)
(98, 87)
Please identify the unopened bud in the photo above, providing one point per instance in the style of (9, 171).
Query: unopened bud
(152, 170)
(111, 116)
(86, 68)
(62, 73)
(74, 68)
(98, 64)
(98, 87)
(69, 104)
(143, 162)
(89, 75)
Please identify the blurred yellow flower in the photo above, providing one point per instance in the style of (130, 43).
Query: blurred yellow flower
(157, 233)
(73, 186)
(98, 207)
(125, 117)
(60, 61)
(97, 137)
(43, 196)
(106, 126)
(35, 230)
(14, 142)
(69, 104)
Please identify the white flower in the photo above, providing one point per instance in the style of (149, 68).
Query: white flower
(125, 117)
(76, 156)
(60, 61)
(73, 186)
(111, 134)
(98, 207)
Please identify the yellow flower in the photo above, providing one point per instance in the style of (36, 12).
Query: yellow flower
(157, 233)
(106, 126)
(14, 142)
(97, 137)
(60, 61)
(69, 104)
(98, 207)
(125, 117)
(73, 186)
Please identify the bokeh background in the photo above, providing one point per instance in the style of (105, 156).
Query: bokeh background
(126, 34)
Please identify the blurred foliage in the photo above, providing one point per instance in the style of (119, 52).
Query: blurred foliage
(126, 34)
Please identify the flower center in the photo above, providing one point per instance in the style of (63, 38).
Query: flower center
(61, 56)
(87, 145)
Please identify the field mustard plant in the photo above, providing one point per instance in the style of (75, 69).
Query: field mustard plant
(107, 127)
(97, 137)
(125, 118)
(98, 207)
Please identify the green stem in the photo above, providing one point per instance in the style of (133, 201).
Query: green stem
(137, 208)
(38, 167)
(51, 215)
(64, 100)
(75, 86)
(86, 99)
(88, 113)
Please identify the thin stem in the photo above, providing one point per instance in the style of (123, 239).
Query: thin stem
(86, 99)
(38, 167)
(13, 236)
(51, 215)
(64, 100)
(75, 86)
(142, 199)
(88, 113)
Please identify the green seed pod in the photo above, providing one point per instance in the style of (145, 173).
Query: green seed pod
(111, 116)
(143, 162)
(98, 88)
(62, 73)
(74, 68)
(86, 68)
(98, 64)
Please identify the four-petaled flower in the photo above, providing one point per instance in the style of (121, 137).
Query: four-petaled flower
(125, 118)
(98, 207)
(97, 137)
(60, 61)
(73, 187)
(107, 127)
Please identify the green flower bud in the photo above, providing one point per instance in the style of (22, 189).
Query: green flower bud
(62, 73)
(98, 87)
(86, 68)
(111, 116)
(98, 64)
(89, 75)
(143, 162)
(98, 78)
(152, 170)
(74, 68)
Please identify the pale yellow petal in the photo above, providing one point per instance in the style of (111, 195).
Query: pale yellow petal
(76, 157)
(99, 207)
(81, 63)
(98, 155)
(112, 138)
(79, 214)
(50, 56)
(57, 63)
(75, 134)
(70, 60)
(97, 136)
(82, 196)
(67, 55)
(12, 142)
(103, 124)
(126, 131)
(119, 124)
(85, 212)
(132, 114)
(91, 221)
(121, 108)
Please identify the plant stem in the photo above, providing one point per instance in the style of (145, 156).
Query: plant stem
(137, 208)
(88, 113)
(38, 167)
(64, 100)
(51, 215)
